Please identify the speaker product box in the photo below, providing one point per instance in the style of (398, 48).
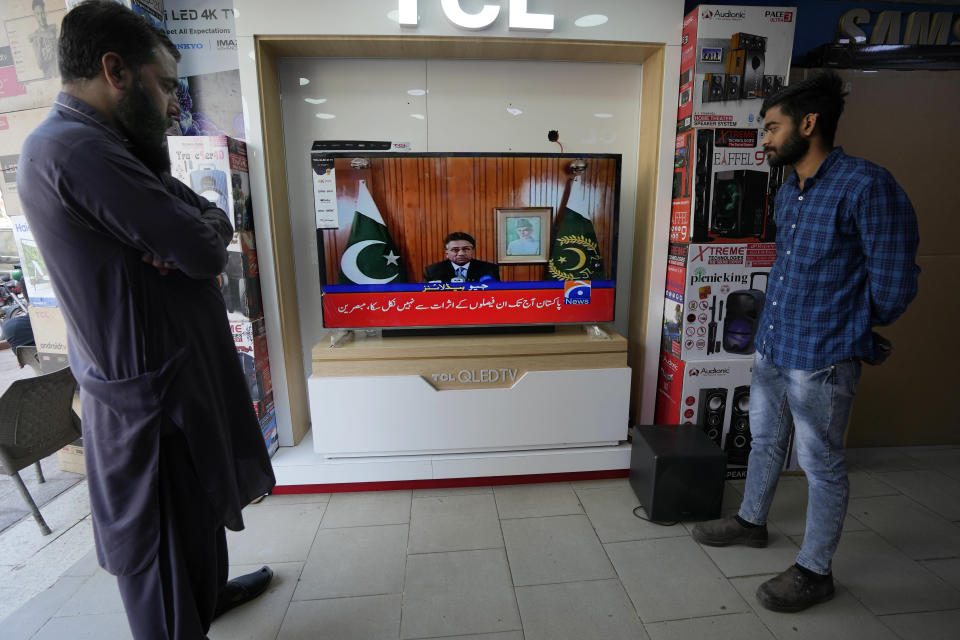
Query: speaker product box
(268, 426)
(677, 473)
(727, 185)
(713, 297)
(713, 397)
(240, 281)
(250, 339)
(727, 53)
(216, 168)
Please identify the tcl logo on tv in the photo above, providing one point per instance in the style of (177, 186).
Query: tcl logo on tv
(779, 16)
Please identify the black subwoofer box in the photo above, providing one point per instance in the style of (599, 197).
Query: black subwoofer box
(677, 472)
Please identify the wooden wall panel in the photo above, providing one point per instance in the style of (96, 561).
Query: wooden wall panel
(422, 199)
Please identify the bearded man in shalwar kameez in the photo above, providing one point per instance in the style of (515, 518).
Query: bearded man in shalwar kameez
(173, 448)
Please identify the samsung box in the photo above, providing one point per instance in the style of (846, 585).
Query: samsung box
(732, 57)
(723, 188)
(216, 168)
(714, 396)
(714, 295)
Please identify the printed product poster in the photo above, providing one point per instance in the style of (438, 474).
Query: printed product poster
(204, 33)
(210, 105)
(35, 273)
(29, 76)
(325, 193)
(14, 129)
(49, 329)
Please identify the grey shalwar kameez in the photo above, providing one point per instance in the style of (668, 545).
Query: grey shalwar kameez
(173, 449)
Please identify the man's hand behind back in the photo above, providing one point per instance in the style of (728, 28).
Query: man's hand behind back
(161, 266)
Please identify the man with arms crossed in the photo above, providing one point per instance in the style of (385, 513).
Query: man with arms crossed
(846, 250)
(173, 448)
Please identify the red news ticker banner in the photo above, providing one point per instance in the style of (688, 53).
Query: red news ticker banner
(431, 308)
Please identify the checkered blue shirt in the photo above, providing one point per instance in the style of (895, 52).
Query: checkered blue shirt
(846, 251)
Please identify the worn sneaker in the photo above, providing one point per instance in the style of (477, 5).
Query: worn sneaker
(726, 531)
(793, 591)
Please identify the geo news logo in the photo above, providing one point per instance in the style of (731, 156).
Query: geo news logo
(576, 292)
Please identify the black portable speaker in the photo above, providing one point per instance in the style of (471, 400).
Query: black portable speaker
(743, 314)
(677, 472)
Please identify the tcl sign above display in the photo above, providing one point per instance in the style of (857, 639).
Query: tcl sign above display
(519, 17)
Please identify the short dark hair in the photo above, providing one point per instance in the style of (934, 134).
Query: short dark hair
(96, 27)
(822, 94)
(459, 235)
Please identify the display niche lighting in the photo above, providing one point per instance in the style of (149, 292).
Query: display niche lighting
(592, 20)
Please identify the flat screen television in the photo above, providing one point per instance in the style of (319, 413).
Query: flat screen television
(536, 233)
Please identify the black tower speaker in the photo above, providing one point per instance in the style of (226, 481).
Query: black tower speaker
(773, 185)
(703, 161)
(753, 74)
(676, 472)
(737, 442)
(713, 405)
(739, 203)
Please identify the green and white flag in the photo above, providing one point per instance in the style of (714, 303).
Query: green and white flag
(575, 255)
(371, 257)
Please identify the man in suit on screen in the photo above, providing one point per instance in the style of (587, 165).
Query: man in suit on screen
(460, 265)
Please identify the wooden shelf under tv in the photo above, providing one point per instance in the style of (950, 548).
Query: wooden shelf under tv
(569, 347)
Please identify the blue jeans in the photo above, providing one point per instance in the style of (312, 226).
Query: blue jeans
(819, 404)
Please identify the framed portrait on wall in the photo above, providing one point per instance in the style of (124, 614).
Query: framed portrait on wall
(523, 234)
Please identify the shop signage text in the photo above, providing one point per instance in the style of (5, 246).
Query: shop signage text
(519, 17)
(921, 27)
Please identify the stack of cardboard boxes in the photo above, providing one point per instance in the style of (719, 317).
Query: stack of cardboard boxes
(216, 168)
(721, 227)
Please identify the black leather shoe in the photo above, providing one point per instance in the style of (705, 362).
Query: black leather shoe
(793, 591)
(242, 590)
(727, 531)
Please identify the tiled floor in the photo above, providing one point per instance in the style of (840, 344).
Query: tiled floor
(564, 560)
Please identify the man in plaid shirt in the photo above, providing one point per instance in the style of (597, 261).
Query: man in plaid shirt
(846, 262)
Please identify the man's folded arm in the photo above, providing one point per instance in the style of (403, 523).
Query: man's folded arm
(132, 203)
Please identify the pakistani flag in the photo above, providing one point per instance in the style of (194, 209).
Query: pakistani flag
(574, 255)
(371, 256)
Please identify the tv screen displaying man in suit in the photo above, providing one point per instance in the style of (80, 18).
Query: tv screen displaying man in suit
(460, 265)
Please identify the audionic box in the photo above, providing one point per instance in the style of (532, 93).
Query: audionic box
(728, 52)
(728, 188)
(712, 397)
(711, 304)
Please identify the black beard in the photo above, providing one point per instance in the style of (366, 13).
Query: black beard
(791, 151)
(145, 126)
